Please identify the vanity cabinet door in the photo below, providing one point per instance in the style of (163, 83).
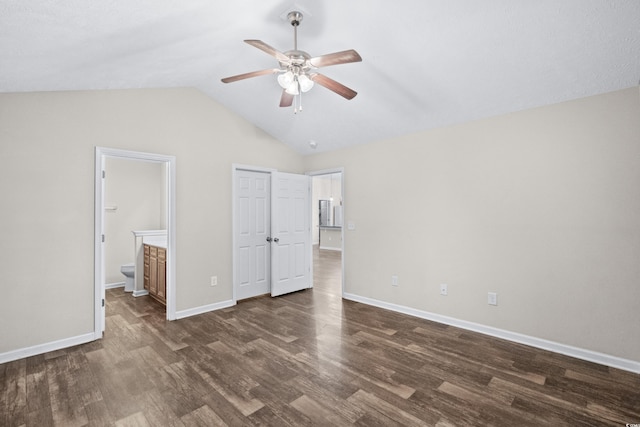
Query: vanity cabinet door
(153, 271)
(162, 274)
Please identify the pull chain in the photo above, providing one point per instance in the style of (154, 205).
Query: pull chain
(300, 95)
(297, 100)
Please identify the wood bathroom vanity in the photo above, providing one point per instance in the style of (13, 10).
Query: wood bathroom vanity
(155, 272)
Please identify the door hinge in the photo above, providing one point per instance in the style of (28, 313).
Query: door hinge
(104, 174)
(103, 238)
(103, 302)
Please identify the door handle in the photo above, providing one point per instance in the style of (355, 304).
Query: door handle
(275, 239)
(268, 239)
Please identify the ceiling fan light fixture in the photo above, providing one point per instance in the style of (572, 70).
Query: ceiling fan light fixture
(293, 89)
(305, 83)
(285, 79)
(297, 74)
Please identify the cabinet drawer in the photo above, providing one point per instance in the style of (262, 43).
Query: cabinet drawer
(162, 254)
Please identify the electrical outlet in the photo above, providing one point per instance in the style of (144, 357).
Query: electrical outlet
(214, 280)
(443, 289)
(394, 280)
(492, 298)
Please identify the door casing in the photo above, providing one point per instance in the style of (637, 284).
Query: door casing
(99, 269)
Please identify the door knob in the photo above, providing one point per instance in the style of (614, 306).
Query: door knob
(268, 239)
(275, 239)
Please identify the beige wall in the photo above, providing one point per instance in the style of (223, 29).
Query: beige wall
(47, 145)
(541, 206)
(138, 190)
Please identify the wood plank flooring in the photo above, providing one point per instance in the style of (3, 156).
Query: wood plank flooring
(307, 358)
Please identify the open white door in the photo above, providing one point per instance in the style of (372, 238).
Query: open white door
(290, 231)
(100, 272)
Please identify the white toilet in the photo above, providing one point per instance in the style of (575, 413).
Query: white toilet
(129, 271)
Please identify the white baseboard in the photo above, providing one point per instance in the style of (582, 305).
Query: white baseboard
(567, 350)
(114, 285)
(328, 248)
(204, 309)
(83, 339)
(578, 353)
(140, 293)
(44, 348)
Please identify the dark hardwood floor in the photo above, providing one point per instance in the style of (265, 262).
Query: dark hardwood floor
(308, 358)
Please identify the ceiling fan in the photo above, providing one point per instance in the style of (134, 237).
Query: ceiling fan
(297, 72)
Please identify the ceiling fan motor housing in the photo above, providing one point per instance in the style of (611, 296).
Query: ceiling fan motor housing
(295, 18)
(296, 57)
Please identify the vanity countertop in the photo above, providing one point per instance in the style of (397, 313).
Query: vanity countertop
(157, 244)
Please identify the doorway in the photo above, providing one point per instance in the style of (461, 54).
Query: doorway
(101, 156)
(327, 206)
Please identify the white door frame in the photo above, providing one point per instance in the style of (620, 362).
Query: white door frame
(101, 153)
(235, 168)
(327, 172)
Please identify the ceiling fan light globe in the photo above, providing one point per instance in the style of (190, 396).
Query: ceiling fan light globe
(285, 80)
(293, 89)
(305, 83)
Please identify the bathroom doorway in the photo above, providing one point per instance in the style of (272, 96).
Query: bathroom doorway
(327, 231)
(135, 202)
(164, 169)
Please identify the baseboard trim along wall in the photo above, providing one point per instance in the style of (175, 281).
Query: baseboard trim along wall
(45, 348)
(140, 293)
(329, 248)
(83, 339)
(114, 285)
(567, 350)
(204, 309)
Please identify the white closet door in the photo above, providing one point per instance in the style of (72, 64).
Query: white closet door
(253, 228)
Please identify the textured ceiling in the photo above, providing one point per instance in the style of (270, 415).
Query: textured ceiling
(426, 63)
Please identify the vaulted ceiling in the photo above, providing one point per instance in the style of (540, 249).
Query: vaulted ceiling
(426, 63)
